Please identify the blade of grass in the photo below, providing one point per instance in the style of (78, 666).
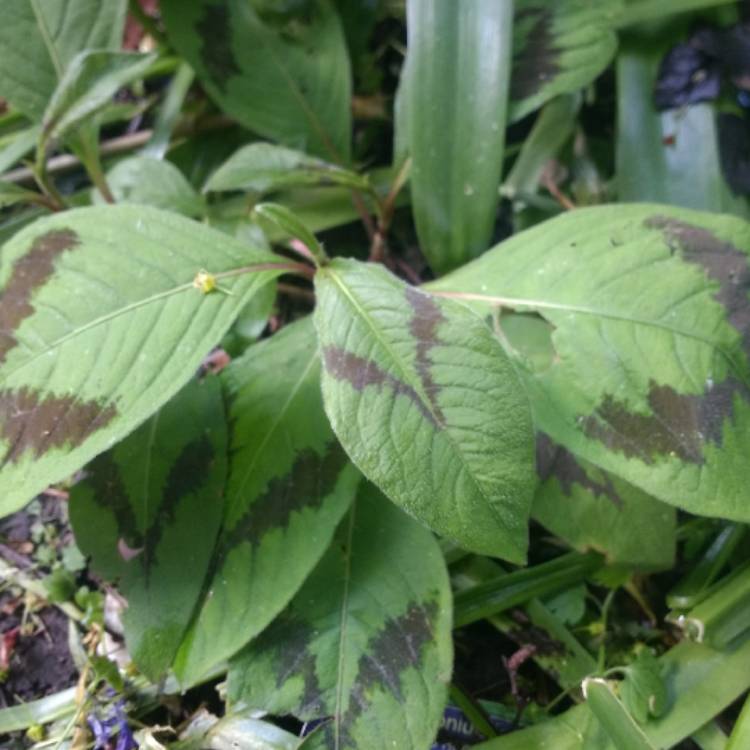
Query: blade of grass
(613, 716)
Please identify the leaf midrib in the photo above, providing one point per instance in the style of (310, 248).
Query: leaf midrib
(274, 426)
(516, 303)
(426, 402)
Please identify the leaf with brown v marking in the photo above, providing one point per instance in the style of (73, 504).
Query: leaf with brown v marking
(424, 400)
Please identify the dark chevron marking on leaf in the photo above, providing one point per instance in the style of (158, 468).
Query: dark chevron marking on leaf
(290, 639)
(555, 461)
(33, 422)
(214, 28)
(678, 425)
(423, 326)
(189, 472)
(389, 653)
(361, 372)
(109, 493)
(311, 479)
(537, 62)
(30, 271)
(722, 261)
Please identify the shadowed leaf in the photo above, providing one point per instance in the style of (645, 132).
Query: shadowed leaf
(289, 485)
(38, 40)
(290, 82)
(558, 48)
(158, 496)
(366, 640)
(591, 509)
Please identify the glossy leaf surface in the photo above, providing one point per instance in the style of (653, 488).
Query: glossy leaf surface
(457, 92)
(39, 38)
(651, 319)
(289, 83)
(100, 325)
(426, 403)
(135, 515)
(289, 485)
(366, 640)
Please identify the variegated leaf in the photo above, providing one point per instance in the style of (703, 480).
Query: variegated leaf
(650, 324)
(366, 640)
(289, 81)
(136, 514)
(100, 325)
(289, 484)
(558, 48)
(428, 406)
(592, 509)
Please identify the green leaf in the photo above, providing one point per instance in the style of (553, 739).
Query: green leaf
(10, 194)
(456, 97)
(642, 11)
(289, 485)
(740, 736)
(265, 167)
(39, 38)
(602, 511)
(558, 48)
(89, 83)
(366, 640)
(569, 605)
(650, 318)
(428, 406)
(290, 82)
(23, 142)
(672, 156)
(643, 690)
(619, 725)
(701, 682)
(100, 325)
(282, 218)
(152, 182)
(136, 515)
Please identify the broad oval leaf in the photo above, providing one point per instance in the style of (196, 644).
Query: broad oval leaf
(289, 485)
(152, 182)
(651, 322)
(39, 38)
(592, 509)
(558, 48)
(428, 406)
(136, 514)
(265, 167)
(100, 325)
(458, 71)
(290, 82)
(367, 639)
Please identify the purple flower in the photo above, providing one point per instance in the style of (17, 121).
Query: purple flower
(115, 725)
